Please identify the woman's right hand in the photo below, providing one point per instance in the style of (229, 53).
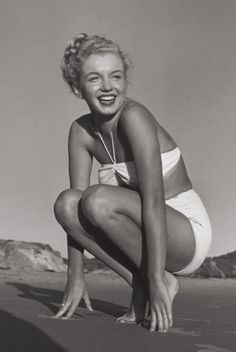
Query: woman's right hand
(75, 290)
(161, 307)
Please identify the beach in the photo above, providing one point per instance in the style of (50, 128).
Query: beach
(204, 316)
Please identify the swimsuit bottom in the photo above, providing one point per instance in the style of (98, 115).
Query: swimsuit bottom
(189, 204)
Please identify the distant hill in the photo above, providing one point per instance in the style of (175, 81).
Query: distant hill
(20, 255)
(223, 266)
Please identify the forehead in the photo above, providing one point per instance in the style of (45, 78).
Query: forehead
(102, 62)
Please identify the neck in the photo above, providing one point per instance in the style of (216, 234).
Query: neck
(103, 123)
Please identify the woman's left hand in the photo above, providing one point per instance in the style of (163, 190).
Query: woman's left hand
(76, 290)
(160, 305)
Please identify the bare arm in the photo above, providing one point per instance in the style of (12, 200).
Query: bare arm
(140, 129)
(80, 160)
(139, 126)
(80, 165)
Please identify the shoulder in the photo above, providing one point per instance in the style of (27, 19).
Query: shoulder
(133, 107)
(136, 116)
(138, 123)
(80, 129)
(81, 124)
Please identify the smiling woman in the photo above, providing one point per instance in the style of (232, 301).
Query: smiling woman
(103, 83)
(144, 219)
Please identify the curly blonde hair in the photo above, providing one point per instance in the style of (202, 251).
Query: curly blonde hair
(79, 49)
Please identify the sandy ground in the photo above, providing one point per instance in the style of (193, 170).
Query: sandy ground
(204, 316)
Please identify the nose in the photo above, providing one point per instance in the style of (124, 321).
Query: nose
(106, 85)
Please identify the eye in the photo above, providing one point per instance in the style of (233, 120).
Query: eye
(117, 76)
(93, 79)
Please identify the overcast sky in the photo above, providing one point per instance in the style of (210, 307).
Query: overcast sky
(184, 53)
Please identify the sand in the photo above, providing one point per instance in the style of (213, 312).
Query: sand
(204, 316)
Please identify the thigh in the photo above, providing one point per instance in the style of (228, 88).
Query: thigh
(180, 236)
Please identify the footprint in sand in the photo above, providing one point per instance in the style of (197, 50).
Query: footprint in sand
(220, 305)
(184, 332)
(211, 348)
(44, 316)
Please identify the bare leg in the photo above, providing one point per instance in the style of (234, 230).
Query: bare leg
(113, 203)
(68, 214)
(116, 212)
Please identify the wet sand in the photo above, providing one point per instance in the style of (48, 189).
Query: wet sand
(204, 316)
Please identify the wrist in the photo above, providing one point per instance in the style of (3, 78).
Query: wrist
(75, 274)
(155, 277)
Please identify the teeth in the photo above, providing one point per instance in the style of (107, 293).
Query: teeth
(110, 97)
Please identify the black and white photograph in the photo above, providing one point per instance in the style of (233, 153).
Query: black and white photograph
(117, 204)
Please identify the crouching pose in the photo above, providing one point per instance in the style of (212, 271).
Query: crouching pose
(143, 219)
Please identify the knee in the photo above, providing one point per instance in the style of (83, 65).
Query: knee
(95, 204)
(66, 206)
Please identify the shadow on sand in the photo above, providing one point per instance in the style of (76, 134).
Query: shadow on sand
(20, 335)
(52, 298)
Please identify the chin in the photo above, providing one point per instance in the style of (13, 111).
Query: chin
(109, 110)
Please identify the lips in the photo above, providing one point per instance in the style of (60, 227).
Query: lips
(107, 99)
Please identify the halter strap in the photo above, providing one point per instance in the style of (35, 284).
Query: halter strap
(113, 159)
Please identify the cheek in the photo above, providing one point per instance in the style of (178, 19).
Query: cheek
(88, 91)
(123, 88)
(121, 85)
(124, 84)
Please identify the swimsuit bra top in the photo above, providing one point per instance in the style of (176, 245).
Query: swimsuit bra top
(116, 174)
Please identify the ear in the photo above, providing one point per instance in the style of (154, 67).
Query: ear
(77, 92)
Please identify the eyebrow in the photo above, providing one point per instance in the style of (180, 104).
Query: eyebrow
(97, 73)
(116, 71)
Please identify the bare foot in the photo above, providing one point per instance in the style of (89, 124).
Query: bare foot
(172, 285)
(129, 317)
(136, 311)
(139, 311)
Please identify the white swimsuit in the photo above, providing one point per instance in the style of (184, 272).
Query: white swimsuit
(187, 203)
(118, 174)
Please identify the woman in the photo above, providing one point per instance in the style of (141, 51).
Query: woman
(143, 220)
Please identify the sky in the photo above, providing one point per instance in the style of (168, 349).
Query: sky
(184, 54)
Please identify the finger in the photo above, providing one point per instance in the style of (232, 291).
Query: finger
(71, 310)
(147, 311)
(88, 302)
(153, 320)
(169, 314)
(62, 310)
(160, 320)
(165, 319)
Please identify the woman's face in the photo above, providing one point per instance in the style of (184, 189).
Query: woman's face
(103, 83)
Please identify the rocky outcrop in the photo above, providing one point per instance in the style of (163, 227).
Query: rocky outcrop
(223, 266)
(19, 255)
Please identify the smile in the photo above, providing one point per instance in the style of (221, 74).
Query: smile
(107, 98)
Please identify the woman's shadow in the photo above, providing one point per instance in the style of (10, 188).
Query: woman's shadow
(52, 298)
(19, 335)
